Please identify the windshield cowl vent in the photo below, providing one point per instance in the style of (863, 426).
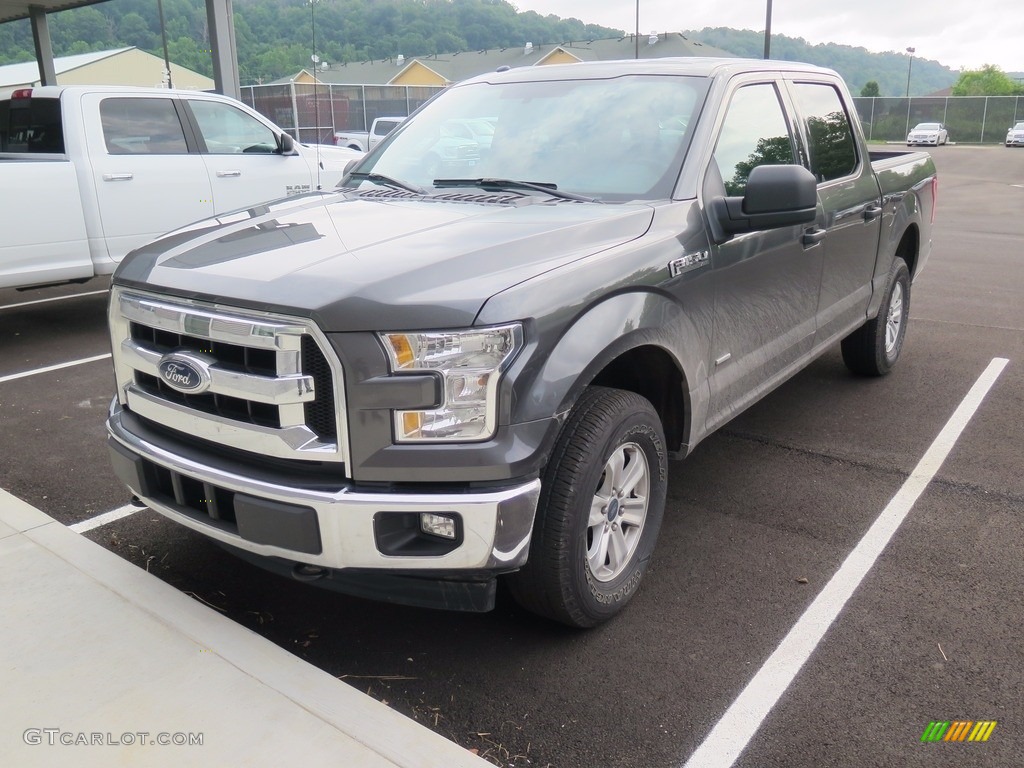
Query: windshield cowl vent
(488, 198)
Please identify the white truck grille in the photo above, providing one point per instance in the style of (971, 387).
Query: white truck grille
(263, 383)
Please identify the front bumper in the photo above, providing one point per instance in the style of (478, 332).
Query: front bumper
(337, 527)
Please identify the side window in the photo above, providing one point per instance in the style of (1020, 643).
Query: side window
(229, 131)
(754, 133)
(833, 152)
(134, 126)
(384, 127)
(31, 125)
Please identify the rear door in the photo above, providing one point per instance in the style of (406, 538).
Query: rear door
(766, 283)
(851, 203)
(145, 179)
(44, 234)
(241, 154)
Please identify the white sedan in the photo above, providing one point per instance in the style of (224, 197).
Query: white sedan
(928, 133)
(1015, 136)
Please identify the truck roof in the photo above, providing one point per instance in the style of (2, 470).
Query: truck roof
(54, 91)
(688, 65)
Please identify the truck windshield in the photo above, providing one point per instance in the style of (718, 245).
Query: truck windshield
(612, 139)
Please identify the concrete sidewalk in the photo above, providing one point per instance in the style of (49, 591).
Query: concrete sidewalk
(102, 664)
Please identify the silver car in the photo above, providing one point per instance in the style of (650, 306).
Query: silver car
(928, 133)
(1015, 136)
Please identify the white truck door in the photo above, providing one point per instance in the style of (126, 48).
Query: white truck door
(44, 236)
(147, 182)
(241, 154)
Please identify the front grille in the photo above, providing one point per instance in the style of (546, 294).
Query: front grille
(264, 382)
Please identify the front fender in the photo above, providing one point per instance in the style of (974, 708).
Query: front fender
(556, 374)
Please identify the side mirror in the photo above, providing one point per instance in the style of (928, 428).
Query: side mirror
(285, 144)
(776, 196)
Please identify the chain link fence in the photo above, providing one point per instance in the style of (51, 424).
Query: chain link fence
(969, 119)
(312, 114)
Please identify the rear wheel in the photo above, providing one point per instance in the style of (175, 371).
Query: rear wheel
(602, 500)
(874, 348)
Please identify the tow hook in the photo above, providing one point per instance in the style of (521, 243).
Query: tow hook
(304, 572)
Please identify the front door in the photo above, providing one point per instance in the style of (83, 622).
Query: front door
(766, 283)
(241, 155)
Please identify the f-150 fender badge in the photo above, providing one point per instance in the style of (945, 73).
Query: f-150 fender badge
(184, 373)
(688, 262)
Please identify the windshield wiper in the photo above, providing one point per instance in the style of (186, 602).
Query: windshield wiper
(537, 186)
(387, 181)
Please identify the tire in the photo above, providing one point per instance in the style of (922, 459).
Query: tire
(592, 542)
(874, 348)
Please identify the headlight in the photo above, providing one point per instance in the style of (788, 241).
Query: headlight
(470, 363)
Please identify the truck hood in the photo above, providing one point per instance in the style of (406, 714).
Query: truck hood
(359, 261)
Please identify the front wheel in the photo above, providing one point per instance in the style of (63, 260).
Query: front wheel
(874, 348)
(602, 500)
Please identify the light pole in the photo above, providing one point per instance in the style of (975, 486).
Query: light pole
(163, 37)
(768, 31)
(636, 35)
(910, 68)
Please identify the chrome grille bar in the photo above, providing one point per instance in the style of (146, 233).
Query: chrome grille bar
(258, 397)
(281, 390)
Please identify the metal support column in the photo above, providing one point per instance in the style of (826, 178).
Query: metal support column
(44, 50)
(220, 19)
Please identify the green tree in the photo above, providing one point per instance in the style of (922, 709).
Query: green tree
(133, 30)
(870, 89)
(990, 80)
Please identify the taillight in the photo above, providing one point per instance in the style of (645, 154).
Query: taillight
(22, 93)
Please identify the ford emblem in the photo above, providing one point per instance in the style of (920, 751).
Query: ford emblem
(184, 373)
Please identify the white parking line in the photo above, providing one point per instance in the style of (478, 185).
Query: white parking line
(742, 720)
(55, 298)
(106, 517)
(23, 374)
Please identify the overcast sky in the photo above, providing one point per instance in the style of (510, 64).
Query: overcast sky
(957, 33)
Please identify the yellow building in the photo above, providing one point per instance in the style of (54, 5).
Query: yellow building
(122, 66)
(444, 69)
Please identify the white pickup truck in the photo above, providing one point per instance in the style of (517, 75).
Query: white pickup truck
(89, 173)
(364, 141)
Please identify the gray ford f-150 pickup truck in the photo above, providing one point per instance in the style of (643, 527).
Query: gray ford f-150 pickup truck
(417, 383)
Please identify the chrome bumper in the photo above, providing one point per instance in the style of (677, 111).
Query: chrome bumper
(495, 525)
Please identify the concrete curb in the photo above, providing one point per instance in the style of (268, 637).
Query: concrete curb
(92, 644)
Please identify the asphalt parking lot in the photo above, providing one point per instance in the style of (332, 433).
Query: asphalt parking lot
(758, 521)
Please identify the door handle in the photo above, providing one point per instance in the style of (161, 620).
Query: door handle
(118, 176)
(228, 174)
(814, 236)
(872, 212)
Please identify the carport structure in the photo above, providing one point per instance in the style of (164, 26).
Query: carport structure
(219, 16)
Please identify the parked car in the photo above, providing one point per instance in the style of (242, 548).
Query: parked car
(364, 141)
(478, 130)
(931, 134)
(415, 386)
(91, 172)
(1015, 136)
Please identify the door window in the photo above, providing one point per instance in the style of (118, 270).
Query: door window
(833, 152)
(754, 133)
(141, 126)
(230, 131)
